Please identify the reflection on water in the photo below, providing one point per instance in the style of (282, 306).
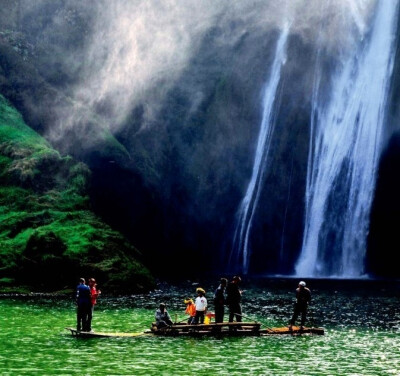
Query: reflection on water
(362, 322)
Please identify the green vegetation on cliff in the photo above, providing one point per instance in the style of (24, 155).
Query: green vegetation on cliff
(48, 235)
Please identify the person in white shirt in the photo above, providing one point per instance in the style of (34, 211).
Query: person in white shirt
(201, 306)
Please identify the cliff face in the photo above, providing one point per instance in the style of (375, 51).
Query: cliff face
(49, 236)
(164, 106)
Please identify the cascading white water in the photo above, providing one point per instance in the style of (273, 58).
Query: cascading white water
(240, 251)
(344, 156)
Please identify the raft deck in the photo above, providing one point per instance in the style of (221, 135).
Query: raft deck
(238, 329)
(225, 329)
(77, 333)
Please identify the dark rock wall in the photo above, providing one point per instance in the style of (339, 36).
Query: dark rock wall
(174, 186)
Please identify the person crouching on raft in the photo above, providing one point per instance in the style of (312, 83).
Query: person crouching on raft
(201, 306)
(162, 317)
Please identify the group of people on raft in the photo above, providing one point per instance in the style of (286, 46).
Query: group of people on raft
(85, 299)
(229, 294)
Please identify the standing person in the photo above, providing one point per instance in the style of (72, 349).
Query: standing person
(201, 306)
(163, 319)
(190, 310)
(234, 299)
(83, 305)
(303, 298)
(219, 300)
(94, 293)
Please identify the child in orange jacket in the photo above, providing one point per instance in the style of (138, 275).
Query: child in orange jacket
(190, 310)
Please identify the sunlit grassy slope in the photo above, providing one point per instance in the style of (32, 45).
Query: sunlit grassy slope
(48, 235)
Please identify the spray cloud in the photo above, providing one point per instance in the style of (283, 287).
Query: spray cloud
(138, 50)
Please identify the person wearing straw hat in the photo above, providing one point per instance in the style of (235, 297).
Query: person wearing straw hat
(201, 306)
(303, 298)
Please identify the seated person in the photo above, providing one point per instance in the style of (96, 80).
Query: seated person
(162, 317)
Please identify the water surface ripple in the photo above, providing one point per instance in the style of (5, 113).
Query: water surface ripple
(362, 323)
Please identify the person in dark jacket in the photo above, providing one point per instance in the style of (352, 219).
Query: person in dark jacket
(219, 300)
(234, 299)
(163, 319)
(83, 306)
(303, 299)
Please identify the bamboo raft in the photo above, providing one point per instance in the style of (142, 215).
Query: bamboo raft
(230, 329)
(77, 333)
(225, 329)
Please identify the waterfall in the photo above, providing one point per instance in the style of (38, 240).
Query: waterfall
(240, 251)
(344, 154)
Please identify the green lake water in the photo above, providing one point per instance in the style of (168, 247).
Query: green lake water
(361, 321)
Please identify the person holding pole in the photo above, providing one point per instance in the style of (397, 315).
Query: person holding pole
(219, 300)
(234, 299)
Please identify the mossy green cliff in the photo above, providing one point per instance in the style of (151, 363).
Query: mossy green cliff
(49, 237)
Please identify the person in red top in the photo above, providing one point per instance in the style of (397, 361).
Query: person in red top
(94, 293)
